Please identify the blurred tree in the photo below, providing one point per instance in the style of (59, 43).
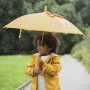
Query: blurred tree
(87, 39)
(60, 2)
(9, 10)
(83, 7)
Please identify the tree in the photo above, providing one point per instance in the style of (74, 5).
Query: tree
(83, 7)
(61, 2)
(9, 11)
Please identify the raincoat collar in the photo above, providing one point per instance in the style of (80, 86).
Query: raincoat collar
(49, 58)
(38, 54)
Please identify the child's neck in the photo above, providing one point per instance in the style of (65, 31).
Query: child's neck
(45, 54)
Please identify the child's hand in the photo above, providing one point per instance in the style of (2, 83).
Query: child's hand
(40, 62)
(37, 70)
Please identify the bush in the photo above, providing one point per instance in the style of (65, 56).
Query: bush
(79, 55)
(78, 46)
(87, 39)
(86, 61)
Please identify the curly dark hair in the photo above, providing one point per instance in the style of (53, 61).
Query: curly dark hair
(50, 40)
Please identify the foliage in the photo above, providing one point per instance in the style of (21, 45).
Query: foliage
(78, 46)
(60, 2)
(79, 55)
(9, 10)
(82, 7)
(86, 61)
(87, 39)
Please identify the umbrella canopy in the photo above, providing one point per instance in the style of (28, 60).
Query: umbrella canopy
(44, 21)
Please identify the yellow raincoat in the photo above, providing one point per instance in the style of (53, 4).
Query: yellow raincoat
(51, 68)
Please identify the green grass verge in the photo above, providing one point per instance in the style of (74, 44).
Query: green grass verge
(12, 71)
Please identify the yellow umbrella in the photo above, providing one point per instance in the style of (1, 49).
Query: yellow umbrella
(44, 21)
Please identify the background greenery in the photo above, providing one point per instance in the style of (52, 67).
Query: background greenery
(76, 11)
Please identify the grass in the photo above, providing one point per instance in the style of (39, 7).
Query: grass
(12, 71)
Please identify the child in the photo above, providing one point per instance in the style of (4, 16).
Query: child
(45, 65)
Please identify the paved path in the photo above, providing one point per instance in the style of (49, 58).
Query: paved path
(73, 75)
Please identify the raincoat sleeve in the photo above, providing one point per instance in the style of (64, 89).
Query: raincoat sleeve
(52, 68)
(29, 67)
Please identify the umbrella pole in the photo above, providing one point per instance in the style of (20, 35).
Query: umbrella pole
(42, 43)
